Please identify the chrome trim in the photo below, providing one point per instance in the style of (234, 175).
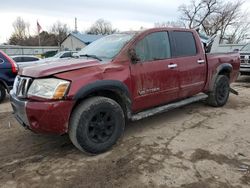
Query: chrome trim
(21, 86)
(172, 66)
(201, 61)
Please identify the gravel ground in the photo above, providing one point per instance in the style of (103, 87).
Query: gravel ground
(196, 146)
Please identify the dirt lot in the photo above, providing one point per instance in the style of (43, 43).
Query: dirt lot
(193, 147)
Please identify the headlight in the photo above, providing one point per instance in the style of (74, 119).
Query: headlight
(49, 88)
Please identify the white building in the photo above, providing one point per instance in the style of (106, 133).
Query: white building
(75, 41)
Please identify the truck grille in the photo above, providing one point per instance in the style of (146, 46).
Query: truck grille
(21, 86)
(245, 59)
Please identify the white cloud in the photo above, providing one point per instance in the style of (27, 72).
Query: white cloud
(123, 14)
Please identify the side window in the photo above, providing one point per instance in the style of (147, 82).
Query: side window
(17, 59)
(67, 54)
(31, 59)
(1, 61)
(184, 44)
(154, 46)
(34, 59)
(27, 59)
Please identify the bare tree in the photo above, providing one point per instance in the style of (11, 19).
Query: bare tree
(21, 35)
(197, 12)
(238, 33)
(101, 27)
(216, 17)
(60, 30)
(21, 28)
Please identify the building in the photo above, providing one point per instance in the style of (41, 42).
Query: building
(77, 41)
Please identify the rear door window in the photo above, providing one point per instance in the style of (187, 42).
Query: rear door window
(155, 46)
(183, 43)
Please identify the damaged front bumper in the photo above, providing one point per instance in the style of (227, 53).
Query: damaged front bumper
(50, 117)
(19, 110)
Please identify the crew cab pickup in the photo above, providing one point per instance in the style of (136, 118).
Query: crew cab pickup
(119, 78)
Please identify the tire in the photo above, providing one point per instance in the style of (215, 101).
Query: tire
(219, 96)
(2, 93)
(96, 124)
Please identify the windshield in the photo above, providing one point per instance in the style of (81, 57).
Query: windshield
(246, 48)
(107, 47)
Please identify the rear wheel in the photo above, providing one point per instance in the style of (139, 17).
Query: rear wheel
(219, 96)
(2, 93)
(96, 124)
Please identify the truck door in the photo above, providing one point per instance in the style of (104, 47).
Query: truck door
(154, 76)
(190, 59)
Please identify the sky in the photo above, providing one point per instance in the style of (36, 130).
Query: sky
(123, 14)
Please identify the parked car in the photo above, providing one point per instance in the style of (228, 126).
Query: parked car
(24, 58)
(120, 78)
(245, 60)
(61, 55)
(8, 72)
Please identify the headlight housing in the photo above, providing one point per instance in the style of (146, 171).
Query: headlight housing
(49, 88)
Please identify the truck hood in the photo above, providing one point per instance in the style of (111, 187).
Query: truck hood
(54, 67)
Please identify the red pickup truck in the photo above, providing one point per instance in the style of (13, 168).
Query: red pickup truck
(119, 78)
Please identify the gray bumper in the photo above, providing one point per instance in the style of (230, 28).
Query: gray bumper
(245, 68)
(19, 109)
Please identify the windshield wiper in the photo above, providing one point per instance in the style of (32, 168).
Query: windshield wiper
(93, 56)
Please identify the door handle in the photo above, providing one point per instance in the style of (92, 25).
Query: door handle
(201, 61)
(172, 66)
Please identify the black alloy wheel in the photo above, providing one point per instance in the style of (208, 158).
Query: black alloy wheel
(101, 126)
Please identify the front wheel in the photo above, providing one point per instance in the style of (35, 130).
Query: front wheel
(219, 96)
(96, 124)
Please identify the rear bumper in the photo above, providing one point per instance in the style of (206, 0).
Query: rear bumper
(42, 117)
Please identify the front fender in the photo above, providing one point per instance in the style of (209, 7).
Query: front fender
(102, 85)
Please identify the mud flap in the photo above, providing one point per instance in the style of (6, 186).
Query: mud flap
(234, 91)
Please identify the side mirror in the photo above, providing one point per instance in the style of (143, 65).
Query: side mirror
(132, 54)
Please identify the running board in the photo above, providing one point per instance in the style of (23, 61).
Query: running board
(165, 108)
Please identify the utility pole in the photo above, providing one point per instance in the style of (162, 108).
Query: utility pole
(39, 40)
(75, 24)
